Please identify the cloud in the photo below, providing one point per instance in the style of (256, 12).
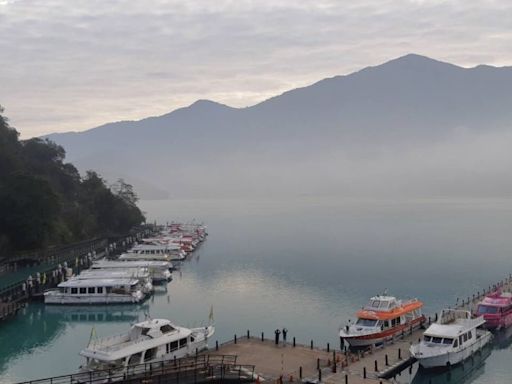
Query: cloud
(74, 65)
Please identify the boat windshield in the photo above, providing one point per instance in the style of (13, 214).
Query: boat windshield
(438, 340)
(483, 309)
(366, 322)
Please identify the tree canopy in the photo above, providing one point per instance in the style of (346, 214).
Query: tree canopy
(45, 201)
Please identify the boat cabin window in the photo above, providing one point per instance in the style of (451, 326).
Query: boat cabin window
(191, 339)
(74, 291)
(484, 309)
(456, 344)
(183, 342)
(470, 334)
(135, 358)
(375, 303)
(386, 324)
(100, 290)
(174, 345)
(145, 331)
(90, 290)
(428, 339)
(465, 337)
(166, 328)
(83, 290)
(366, 322)
(437, 340)
(447, 341)
(460, 339)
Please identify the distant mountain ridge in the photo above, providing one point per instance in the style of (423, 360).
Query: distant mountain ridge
(210, 148)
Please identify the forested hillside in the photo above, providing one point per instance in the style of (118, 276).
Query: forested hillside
(44, 200)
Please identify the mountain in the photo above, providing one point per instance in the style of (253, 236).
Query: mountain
(413, 126)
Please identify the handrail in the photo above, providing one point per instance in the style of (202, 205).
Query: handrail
(158, 368)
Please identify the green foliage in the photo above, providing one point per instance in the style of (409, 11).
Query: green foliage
(44, 201)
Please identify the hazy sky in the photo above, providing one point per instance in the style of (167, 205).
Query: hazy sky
(75, 64)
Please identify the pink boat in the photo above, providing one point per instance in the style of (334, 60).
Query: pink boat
(496, 308)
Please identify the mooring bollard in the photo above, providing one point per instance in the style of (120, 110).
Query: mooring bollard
(364, 372)
(300, 372)
(387, 360)
(248, 334)
(376, 366)
(399, 354)
(294, 341)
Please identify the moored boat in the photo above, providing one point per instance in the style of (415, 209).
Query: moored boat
(149, 341)
(141, 274)
(496, 309)
(159, 270)
(383, 319)
(96, 291)
(452, 339)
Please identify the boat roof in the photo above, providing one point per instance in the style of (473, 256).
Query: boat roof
(387, 307)
(452, 323)
(130, 264)
(151, 246)
(497, 299)
(113, 273)
(100, 282)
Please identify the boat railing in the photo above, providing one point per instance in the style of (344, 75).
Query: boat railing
(450, 315)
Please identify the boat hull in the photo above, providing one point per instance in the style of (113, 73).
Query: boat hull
(51, 298)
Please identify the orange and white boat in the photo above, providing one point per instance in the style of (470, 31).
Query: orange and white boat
(382, 319)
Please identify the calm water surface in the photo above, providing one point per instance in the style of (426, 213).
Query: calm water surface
(304, 264)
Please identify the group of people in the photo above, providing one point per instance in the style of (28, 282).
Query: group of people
(278, 333)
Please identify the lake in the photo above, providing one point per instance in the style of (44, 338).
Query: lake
(306, 264)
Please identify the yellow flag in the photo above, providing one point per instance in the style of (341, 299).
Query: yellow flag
(210, 317)
(93, 335)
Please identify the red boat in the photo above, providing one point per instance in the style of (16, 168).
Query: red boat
(496, 308)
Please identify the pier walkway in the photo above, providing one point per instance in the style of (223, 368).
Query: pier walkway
(291, 363)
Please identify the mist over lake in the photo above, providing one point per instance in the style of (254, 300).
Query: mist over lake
(306, 264)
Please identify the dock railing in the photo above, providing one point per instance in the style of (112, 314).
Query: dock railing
(188, 370)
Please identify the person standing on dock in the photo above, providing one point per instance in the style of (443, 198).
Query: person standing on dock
(285, 331)
(277, 332)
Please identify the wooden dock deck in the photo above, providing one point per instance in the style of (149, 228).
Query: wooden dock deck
(275, 362)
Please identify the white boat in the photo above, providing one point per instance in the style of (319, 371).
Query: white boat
(154, 252)
(148, 341)
(96, 291)
(159, 270)
(141, 274)
(451, 340)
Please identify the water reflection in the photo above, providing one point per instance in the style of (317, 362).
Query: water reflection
(307, 266)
